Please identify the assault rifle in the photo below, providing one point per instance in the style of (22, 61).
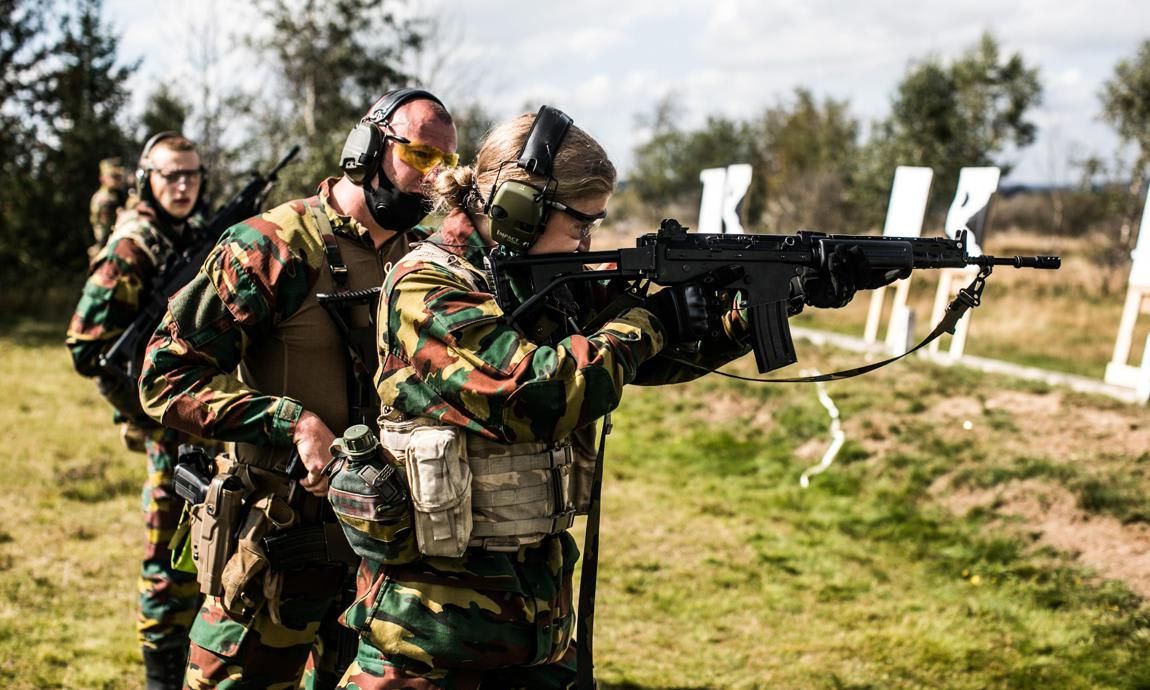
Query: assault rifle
(122, 361)
(760, 266)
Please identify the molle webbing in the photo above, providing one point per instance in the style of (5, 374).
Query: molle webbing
(520, 493)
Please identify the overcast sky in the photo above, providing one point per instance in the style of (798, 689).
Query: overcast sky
(606, 61)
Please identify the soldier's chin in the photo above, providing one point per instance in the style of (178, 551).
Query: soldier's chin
(180, 211)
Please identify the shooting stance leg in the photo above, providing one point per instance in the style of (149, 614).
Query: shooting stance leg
(168, 598)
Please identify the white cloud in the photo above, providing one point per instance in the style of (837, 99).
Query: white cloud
(609, 60)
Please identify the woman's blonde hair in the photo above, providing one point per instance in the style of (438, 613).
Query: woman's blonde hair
(581, 168)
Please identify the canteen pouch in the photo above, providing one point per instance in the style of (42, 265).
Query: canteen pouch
(439, 479)
(370, 500)
(213, 528)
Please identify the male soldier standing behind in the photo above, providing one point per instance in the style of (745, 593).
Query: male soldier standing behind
(107, 200)
(254, 307)
(123, 274)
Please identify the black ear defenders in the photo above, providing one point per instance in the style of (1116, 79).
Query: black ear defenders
(143, 189)
(363, 151)
(519, 211)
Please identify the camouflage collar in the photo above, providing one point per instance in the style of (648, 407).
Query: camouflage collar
(177, 233)
(341, 224)
(459, 236)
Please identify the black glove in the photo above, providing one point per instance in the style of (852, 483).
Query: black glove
(683, 310)
(833, 285)
(846, 271)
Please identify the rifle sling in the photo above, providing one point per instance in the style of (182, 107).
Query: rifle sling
(585, 626)
(968, 297)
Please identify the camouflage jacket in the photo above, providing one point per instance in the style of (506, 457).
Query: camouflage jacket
(258, 275)
(448, 353)
(120, 278)
(487, 377)
(102, 212)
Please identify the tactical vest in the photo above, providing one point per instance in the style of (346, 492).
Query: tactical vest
(304, 356)
(470, 491)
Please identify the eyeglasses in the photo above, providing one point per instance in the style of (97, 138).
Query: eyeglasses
(589, 221)
(422, 157)
(177, 176)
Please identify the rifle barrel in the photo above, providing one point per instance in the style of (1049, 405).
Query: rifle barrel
(1046, 262)
(284, 161)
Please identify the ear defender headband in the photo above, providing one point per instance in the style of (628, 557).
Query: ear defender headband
(519, 211)
(363, 151)
(143, 189)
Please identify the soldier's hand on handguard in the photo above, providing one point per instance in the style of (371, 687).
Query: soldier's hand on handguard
(683, 310)
(846, 271)
(313, 441)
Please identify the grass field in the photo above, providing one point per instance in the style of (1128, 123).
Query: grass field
(927, 557)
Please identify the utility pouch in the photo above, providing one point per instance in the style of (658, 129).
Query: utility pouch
(213, 525)
(439, 479)
(244, 581)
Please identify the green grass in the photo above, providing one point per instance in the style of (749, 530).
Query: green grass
(717, 569)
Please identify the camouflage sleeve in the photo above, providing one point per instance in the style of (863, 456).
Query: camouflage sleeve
(250, 279)
(109, 303)
(464, 365)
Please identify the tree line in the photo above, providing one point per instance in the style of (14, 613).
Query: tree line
(814, 168)
(64, 105)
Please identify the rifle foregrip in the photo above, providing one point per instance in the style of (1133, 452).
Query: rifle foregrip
(771, 336)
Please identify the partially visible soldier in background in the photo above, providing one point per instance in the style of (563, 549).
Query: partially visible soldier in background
(256, 307)
(106, 203)
(162, 219)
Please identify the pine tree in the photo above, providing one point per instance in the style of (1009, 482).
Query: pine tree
(330, 61)
(23, 53)
(87, 95)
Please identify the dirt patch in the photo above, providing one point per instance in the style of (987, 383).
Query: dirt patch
(1051, 516)
(746, 411)
(1046, 422)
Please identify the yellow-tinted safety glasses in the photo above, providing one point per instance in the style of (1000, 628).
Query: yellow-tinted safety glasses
(422, 157)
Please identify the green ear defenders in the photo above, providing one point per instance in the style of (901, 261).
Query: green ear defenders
(518, 211)
(363, 151)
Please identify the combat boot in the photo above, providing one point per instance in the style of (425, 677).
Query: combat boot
(164, 668)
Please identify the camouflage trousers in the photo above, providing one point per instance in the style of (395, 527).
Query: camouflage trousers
(168, 598)
(373, 671)
(299, 651)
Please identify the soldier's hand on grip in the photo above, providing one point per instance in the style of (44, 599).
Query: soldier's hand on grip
(684, 311)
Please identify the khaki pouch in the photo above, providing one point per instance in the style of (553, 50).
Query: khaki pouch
(439, 479)
(243, 582)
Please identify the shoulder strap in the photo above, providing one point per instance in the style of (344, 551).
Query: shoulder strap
(330, 247)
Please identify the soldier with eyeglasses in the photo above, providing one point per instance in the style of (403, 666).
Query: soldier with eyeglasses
(160, 221)
(259, 349)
